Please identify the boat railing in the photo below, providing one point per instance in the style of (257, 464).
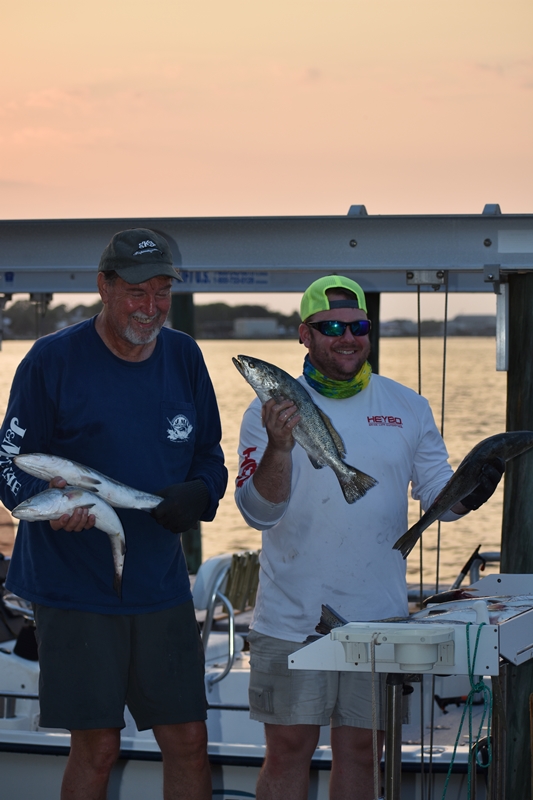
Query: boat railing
(490, 557)
(476, 565)
(228, 581)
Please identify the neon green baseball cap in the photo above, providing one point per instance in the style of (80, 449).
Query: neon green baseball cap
(315, 298)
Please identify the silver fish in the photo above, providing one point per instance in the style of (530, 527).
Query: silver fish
(53, 503)
(314, 432)
(499, 608)
(42, 465)
(465, 479)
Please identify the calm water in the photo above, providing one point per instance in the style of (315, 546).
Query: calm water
(475, 401)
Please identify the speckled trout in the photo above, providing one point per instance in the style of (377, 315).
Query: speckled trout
(45, 466)
(314, 432)
(53, 503)
(465, 479)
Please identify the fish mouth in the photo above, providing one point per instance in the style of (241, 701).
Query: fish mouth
(238, 364)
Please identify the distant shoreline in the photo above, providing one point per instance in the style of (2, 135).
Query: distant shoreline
(210, 337)
(23, 320)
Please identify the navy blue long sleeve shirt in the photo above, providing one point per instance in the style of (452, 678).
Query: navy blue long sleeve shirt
(147, 424)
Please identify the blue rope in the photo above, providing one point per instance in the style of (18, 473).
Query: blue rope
(475, 688)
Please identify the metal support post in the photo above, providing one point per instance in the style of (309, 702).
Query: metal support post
(393, 737)
(5, 298)
(42, 300)
(497, 769)
(182, 319)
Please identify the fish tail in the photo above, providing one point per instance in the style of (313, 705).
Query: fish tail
(329, 619)
(355, 484)
(149, 505)
(406, 542)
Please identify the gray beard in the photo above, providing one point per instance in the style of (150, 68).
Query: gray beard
(134, 336)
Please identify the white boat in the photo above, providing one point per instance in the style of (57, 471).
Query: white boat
(32, 758)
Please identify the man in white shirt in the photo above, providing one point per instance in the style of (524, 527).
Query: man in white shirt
(319, 549)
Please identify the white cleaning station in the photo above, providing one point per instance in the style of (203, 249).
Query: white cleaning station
(468, 637)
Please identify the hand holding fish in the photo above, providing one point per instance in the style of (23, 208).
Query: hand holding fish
(488, 482)
(64, 503)
(79, 520)
(182, 506)
(272, 478)
(473, 482)
(279, 419)
(311, 428)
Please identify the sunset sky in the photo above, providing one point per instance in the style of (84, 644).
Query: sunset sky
(287, 108)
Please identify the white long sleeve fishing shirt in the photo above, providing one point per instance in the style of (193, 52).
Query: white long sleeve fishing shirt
(317, 548)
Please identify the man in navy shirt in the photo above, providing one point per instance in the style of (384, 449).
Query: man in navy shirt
(132, 399)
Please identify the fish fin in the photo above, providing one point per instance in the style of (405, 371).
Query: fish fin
(339, 444)
(90, 479)
(356, 485)
(406, 542)
(329, 619)
(316, 464)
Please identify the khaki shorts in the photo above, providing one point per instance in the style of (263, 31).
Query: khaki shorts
(92, 665)
(283, 696)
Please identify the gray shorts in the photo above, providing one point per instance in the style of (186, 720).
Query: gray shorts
(283, 696)
(92, 665)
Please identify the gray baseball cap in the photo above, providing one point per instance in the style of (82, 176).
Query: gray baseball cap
(138, 254)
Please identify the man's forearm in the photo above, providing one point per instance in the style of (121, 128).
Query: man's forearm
(272, 478)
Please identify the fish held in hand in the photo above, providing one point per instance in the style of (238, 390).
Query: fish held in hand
(314, 432)
(54, 503)
(46, 467)
(466, 478)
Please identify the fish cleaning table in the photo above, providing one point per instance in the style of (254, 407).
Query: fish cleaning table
(496, 623)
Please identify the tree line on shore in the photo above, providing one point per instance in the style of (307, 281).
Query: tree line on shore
(24, 319)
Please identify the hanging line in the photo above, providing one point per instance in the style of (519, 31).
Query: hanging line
(437, 564)
(442, 410)
(375, 754)
(419, 346)
(438, 553)
(475, 688)
(420, 551)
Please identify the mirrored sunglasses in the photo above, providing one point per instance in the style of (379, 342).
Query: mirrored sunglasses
(334, 327)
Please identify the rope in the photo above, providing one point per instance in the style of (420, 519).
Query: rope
(475, 688)
(438, 552)
(374, 716)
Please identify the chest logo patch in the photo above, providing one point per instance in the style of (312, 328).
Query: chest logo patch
(386, 421)
(180, 428)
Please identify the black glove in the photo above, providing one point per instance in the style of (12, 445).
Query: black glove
(490, 478)
(183, 506)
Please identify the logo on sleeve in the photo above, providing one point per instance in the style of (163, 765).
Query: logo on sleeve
(248, 466)
(386, 421)
(180, 428)
(8, 449)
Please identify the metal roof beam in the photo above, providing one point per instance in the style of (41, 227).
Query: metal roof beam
(277, 254)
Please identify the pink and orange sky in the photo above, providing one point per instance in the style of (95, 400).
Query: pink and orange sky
(238, 108)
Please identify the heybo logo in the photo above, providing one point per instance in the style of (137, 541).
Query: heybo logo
(146, 246)
(395, 422)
